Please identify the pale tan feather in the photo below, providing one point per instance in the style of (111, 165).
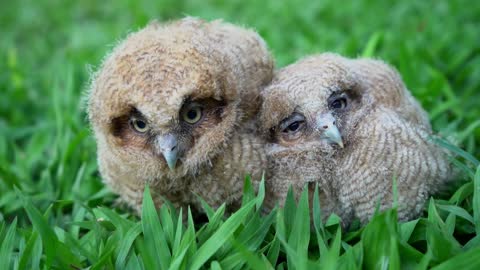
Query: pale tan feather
(155, 72)
(385, 131)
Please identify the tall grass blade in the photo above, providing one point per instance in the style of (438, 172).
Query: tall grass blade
(220, 236)
(158, 255)
(6, 248)
(476, 201)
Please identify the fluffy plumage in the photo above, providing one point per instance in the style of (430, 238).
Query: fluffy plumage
(351, 126)
(172, 106)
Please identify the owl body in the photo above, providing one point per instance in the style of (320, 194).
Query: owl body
(350, 126)
(172, 107)
(390, 148)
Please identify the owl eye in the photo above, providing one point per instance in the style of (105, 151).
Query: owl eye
(139, 125)
(293, 126)
(192, 115)
(339, 103)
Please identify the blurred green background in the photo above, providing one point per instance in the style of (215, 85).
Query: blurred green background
(48, 49)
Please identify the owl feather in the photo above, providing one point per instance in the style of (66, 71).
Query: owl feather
(172, 106)
(352, 127)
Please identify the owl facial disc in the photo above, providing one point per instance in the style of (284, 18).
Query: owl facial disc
(167, 145)
(327, 125)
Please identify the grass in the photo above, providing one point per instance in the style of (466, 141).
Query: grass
(56, 214)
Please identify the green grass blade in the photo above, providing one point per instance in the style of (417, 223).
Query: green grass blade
(119, 222)
(36, 254)
(31, 253)
(213, 224)
(166, 218)
(331, 257)
(126, 244)
(473, 243)
(293, 260)
(476, 200)
(296, 262)
(134, 263)
(206, 208)
(220, 236)
(154, 235)
(3, 225)
(248, 191)
(300, 236)
(178, 233)
(462, 193)
(394, 256)
(252, 260)
(442, 245)
(406, 229)
(289, 211)
(104, 260)
(215, 266)
(255, 230)
(351, 260)
(466, 260)
(423, 265)
(454, 149)
(54, 250)
(189, 236)
(273, 251)
(318, 223)
(261, 192)
(457, 211)
(179, 258)
(49, 238)
(378, 240)
(6, 248)
(372, 44)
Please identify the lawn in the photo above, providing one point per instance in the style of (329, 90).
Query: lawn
(55, 212)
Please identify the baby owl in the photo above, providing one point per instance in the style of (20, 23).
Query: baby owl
(173, 107)
(351, 126)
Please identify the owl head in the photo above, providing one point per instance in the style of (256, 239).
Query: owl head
(317, 102)
(168, 97)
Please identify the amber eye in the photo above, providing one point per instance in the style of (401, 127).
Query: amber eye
(339, 104)
(139, 125)
(192, 115)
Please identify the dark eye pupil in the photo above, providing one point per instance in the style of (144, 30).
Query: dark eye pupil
(140, 124)
(192, 114)
(339, 103)
(294, 126)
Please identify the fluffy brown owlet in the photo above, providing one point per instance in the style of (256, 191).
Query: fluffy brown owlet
(173, 106)
(351, 126)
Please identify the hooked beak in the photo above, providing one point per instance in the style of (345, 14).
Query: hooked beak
(326, 124)
(167, 144)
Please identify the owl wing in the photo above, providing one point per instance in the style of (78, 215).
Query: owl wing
(390, 147)
(385, 84)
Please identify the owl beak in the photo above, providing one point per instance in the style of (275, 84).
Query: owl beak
(168, 146)
(327, 125)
